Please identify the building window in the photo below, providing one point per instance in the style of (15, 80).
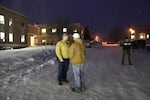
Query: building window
(2, 20)
(10, 21)
(43, 30)
(147, 36)
(22, 24)
(75, 31)
(22, 38)
(142, 35)
(64, 29)
(132, 36)
(43, 41)
(10, 37)
(54, 30)
(2, 37)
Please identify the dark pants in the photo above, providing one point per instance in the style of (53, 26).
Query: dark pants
(128, 53)
(63, 69)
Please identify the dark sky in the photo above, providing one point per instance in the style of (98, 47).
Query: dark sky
(101, 14)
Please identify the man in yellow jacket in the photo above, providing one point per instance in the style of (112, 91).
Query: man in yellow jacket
(77, 55)
(62, 52)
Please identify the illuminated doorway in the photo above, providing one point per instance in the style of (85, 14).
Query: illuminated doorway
(32, 40)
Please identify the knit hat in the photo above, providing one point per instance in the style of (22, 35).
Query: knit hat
(76, 35)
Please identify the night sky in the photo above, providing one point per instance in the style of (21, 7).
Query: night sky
(102, 15)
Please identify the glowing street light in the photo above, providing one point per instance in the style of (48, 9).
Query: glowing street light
(132, 31)
(97, 38)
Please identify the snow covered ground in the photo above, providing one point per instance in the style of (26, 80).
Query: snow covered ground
(31, 74)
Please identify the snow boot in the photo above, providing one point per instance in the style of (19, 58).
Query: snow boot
(76, 90)
(60, 83)
(66, 81)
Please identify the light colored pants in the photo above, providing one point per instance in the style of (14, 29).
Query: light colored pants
(78, 75)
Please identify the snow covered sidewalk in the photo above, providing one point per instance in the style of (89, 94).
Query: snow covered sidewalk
(31, 74)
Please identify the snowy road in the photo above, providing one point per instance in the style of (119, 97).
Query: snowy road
(30, 74)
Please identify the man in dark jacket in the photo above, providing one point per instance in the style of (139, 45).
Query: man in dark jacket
(127, 45)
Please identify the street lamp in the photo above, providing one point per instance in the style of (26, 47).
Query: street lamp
(97, 38)
(132, 31)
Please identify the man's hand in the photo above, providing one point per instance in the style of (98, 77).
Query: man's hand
(61, 60)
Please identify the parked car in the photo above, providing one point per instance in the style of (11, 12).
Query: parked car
(87, 43)
(111, 42)
(138, 44)
(96, 43)
(5, 46)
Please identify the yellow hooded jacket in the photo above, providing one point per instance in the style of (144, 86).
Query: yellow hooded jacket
(77, 52)
(62, 50)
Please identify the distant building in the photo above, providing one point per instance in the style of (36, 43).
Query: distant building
(51, 34)
(15, 31)
(34, 36)
(13, 28)
(141, 32)
(45, 37)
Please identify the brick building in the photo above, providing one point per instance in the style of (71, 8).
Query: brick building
(13, 28)
(51, 34)
(15, 31)
(33, 35)
(140, 32)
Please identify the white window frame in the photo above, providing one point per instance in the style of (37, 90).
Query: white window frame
(2, 36)
(22, 38)
(75, 31)
(10, 22)
(54, 30)
(43, 41)
(11, 37)
(43, 30)
(132, 37)
(2, 19)
(65, 29)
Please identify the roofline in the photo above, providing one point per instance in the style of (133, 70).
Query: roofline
(65, 24)
(13, 11)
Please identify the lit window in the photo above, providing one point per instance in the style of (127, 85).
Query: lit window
(22, 38)
(64, 29)
(43, 30)
(10, 37)
(2, 20)
(132, 36)
(2, 37)
(54, 30)
(147, 36)
(10, 22)
(75, 31)
(43, 41)
(141, 36)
